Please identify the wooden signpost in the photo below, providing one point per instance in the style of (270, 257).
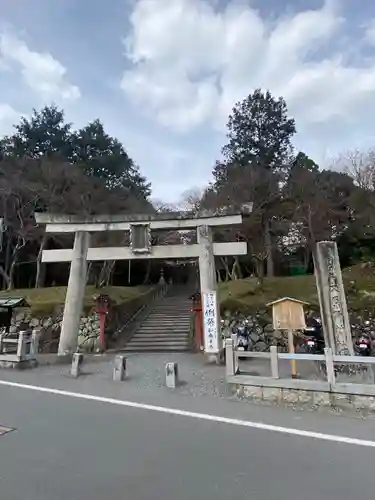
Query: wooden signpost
(288, 314)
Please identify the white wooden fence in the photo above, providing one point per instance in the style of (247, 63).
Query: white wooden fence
(328, 359)
(22, 346)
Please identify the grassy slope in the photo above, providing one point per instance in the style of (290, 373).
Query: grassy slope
(246, 295)
(235, 295)
(47, 299)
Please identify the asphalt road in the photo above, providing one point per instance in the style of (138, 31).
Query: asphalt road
(66, 448)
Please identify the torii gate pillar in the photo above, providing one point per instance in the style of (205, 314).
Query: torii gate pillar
(208, 282)
(207, 269)
(74, 294)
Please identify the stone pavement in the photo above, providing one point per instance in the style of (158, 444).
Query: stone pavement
(147, 371)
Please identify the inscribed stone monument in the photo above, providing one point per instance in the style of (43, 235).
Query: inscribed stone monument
(332, 299)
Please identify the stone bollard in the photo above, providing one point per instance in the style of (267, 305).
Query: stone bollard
(21, 345)
(34, 346)
(171, 375)
(77, 360)
(119, 370)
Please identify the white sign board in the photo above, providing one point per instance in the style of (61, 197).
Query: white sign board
(210, 323)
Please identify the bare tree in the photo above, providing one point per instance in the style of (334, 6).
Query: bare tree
(360, 165)
(50, 185)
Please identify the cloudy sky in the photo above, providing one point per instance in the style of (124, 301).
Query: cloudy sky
(164, 74)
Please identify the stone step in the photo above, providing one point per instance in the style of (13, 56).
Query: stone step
(171, 306)
(170, 325)
(178, 303)
(173, 303)
(171, 300)
(167, 327)
(167, 324)
(167, 321)
(168, 333)
(175, 312)
(151, 339)
(160, 312)
(159, 340)
(161, 317)
(163, 333)
(155, 348)
(163, 328)
(186, 307)
(159, 336)
(171, 310)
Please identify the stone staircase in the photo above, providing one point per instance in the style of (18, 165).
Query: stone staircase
(167, 327)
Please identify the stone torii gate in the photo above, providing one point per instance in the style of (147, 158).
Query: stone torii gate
(140, 228)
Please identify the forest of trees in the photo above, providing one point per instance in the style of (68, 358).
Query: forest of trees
(46, 165)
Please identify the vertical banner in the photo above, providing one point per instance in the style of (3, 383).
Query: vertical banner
(211, 323)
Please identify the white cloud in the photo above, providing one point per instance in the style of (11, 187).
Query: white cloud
(190, 62)
(8, 116)
(40, 70)
(370, 32)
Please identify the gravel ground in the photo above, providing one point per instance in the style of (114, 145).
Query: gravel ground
(196, 376)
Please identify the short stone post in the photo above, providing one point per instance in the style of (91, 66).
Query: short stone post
(171, 375)
(1, 343)
(274, 362)
(119, 369)
(77, 361)
(34, 346)
(236, 366)
(21, 346)
(229, 358)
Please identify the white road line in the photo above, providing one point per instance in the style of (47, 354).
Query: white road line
(199, 416)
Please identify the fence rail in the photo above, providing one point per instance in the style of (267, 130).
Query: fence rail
(23, 347)
(328, 358)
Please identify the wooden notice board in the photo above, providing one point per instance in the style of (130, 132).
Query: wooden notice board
(288, 314)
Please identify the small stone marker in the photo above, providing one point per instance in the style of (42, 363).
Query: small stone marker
(171, 375)
(77, 360)
(119, 370)
(34, 347)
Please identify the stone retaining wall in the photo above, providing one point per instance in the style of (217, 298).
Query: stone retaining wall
(49, 325)
(304, 398)
(263, 335)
